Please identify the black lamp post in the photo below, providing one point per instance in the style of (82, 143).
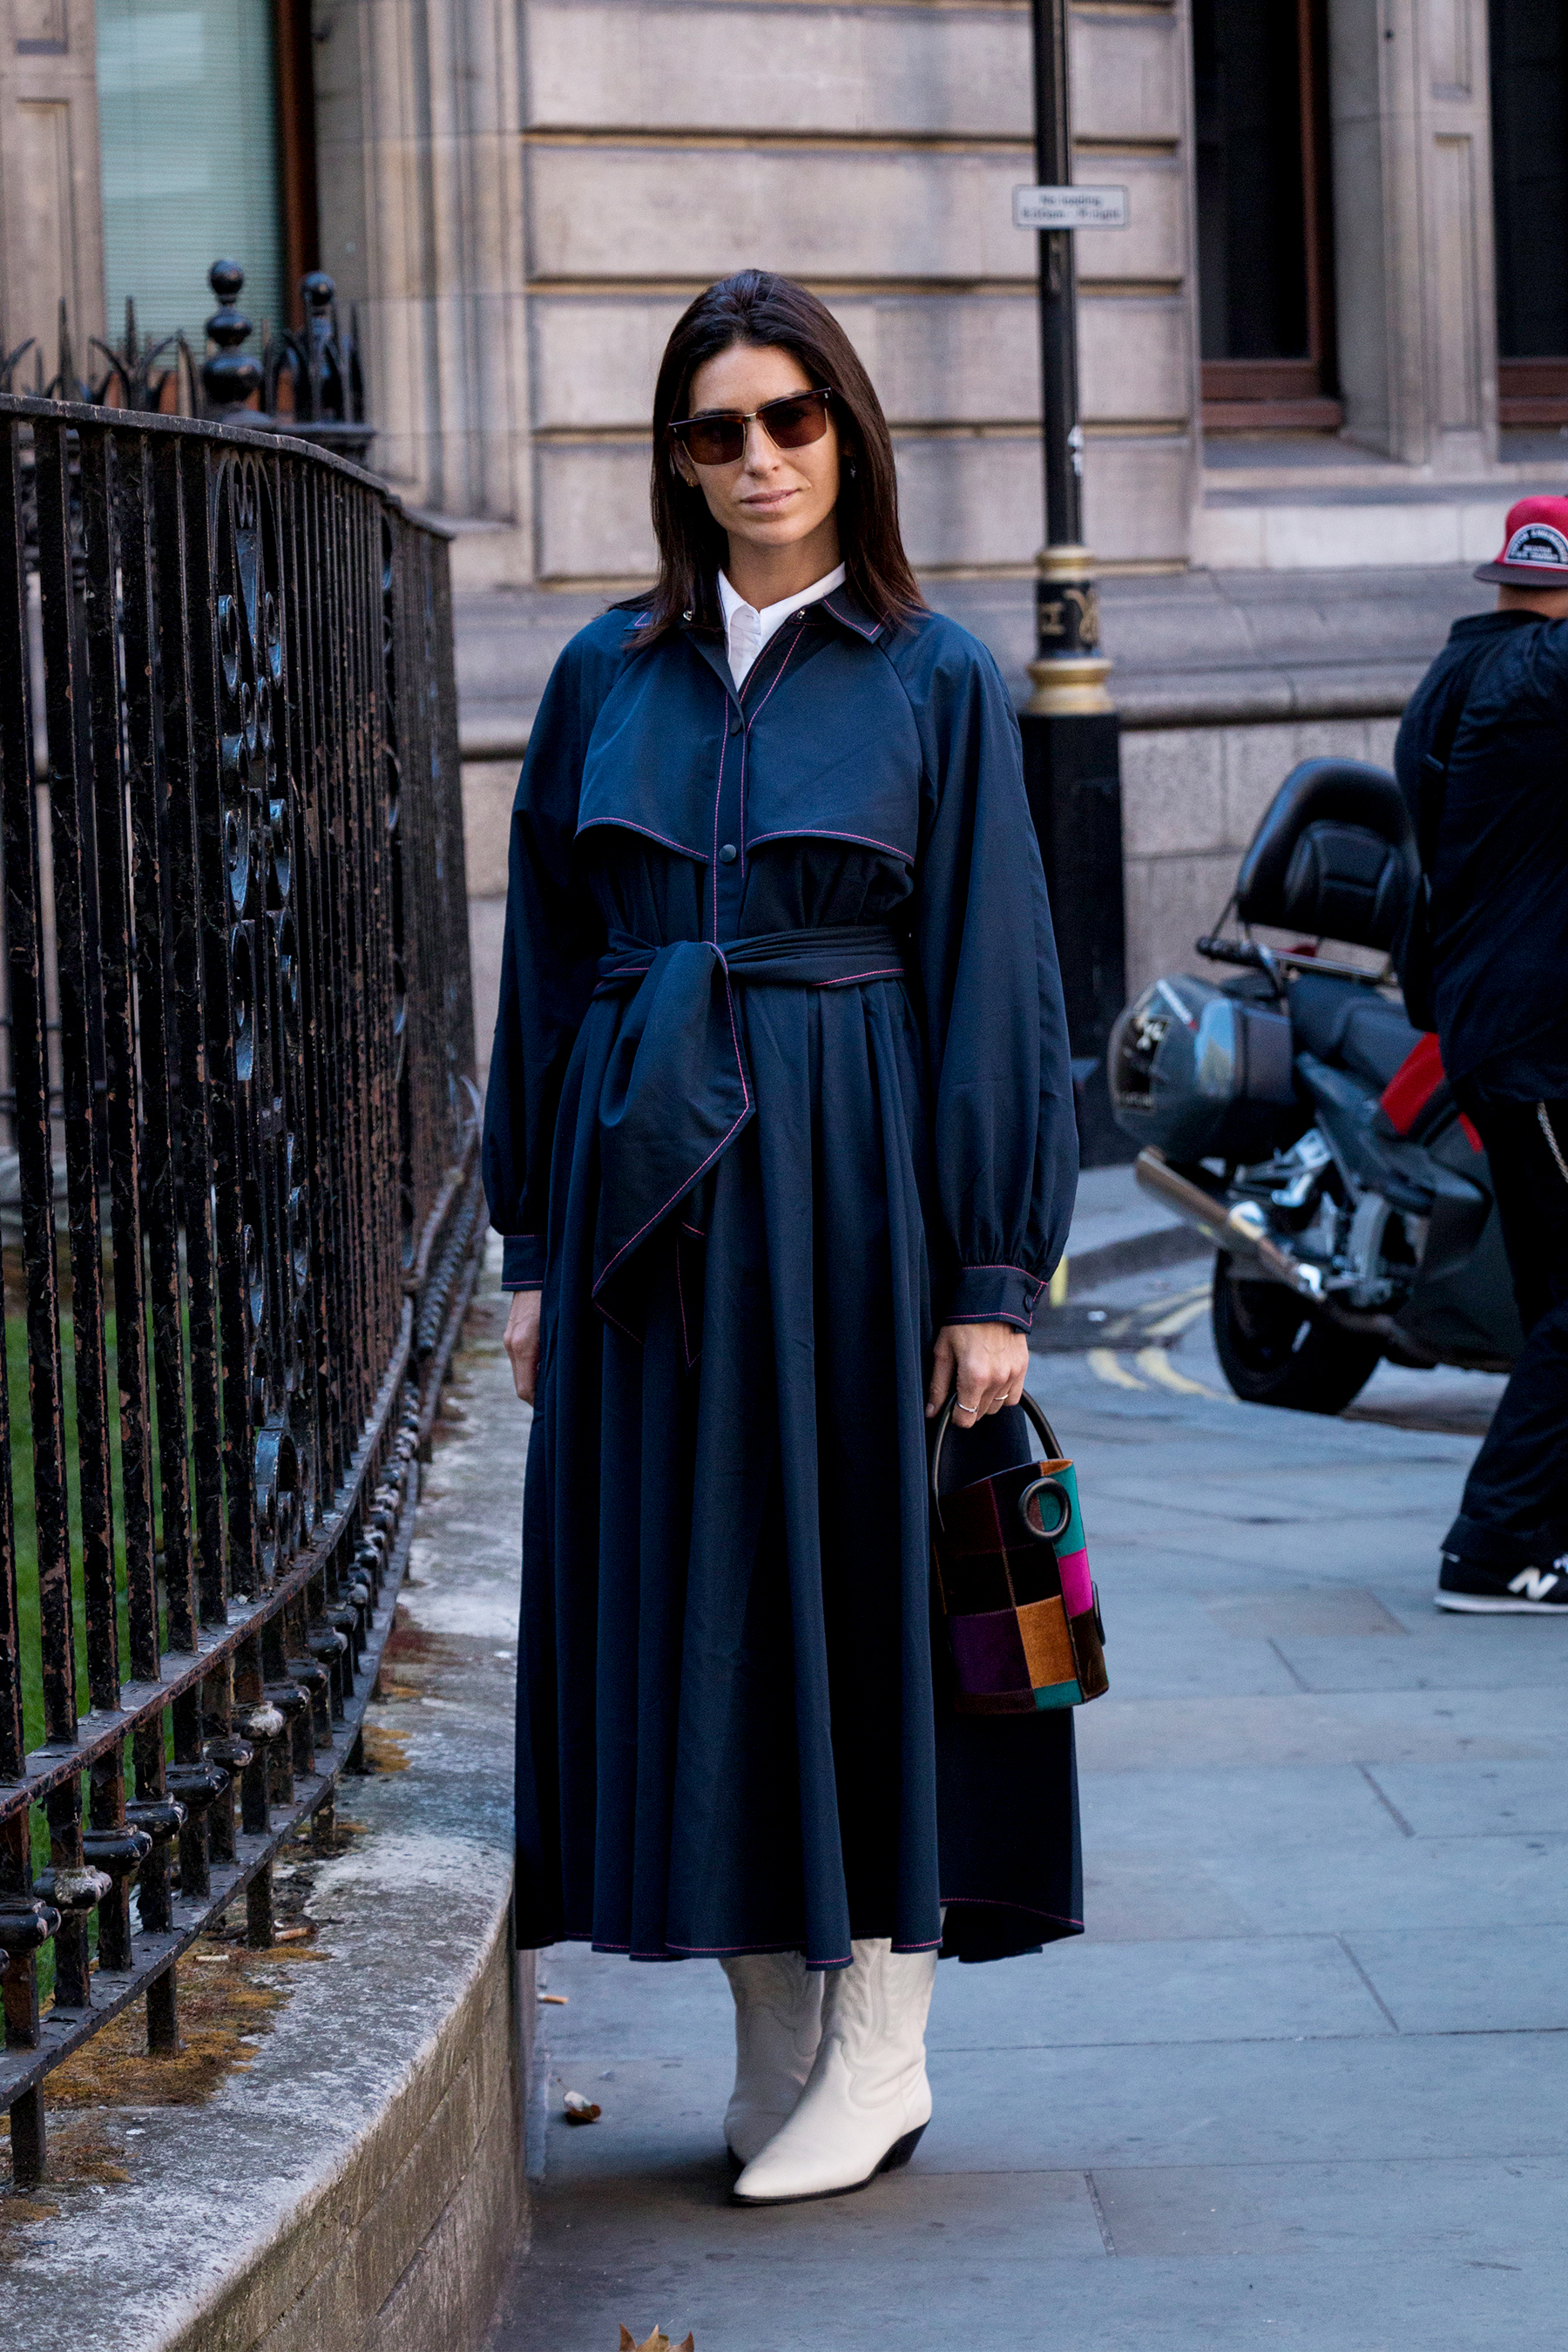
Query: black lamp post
(1071, 762)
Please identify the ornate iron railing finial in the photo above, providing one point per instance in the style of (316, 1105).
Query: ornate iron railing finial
(131, 368)
(313, 381)
(230, 376)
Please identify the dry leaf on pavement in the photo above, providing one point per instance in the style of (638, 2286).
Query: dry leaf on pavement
(658, 2342)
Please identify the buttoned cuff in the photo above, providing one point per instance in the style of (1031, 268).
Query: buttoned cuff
(523, 1262)
(995, 1294)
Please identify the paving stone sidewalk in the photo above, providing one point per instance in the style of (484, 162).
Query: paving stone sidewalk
(1303, 2081)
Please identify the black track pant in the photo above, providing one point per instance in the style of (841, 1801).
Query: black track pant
(1515, 1506)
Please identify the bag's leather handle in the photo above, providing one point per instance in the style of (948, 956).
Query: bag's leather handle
(1042, 1425)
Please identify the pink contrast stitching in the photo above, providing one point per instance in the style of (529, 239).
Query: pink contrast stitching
(624, 1329)
(718, 1951)
(849, 621)
(685, 1325)
(598, 824)
(740, 828)
(892, 971)
(1063, 1918)
(670, 1205)
(718, 796)
(777, 674)
(824, 833)
(718, 1146)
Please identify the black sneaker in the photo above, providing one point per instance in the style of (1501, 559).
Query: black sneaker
(1500, 1592)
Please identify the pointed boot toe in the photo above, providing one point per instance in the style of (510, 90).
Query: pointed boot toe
(866, 2100)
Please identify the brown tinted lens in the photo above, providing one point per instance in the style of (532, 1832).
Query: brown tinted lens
(713, 440)
(791, 422)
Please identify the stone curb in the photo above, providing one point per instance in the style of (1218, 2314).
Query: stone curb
(404, 2247)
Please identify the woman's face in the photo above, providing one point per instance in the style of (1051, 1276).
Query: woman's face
(768, 497)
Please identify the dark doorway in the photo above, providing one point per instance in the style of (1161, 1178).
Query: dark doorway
(1265, 262)
(1529, 188)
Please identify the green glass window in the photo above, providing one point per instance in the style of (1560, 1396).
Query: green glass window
(188, 141)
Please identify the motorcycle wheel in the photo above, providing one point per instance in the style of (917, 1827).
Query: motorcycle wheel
(1274, 1350)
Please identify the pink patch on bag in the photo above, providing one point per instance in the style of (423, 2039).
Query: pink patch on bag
(1077, 1588)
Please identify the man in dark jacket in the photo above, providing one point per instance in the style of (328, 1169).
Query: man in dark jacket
(1497, 694)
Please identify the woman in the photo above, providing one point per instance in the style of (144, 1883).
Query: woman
(780, 1083)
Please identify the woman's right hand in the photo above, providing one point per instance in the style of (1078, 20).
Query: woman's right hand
(520, 1340)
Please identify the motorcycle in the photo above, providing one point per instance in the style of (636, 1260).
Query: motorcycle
(1292, 1115)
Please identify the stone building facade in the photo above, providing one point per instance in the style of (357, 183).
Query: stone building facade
(520, 194)
(1333, 337)
(622, 155)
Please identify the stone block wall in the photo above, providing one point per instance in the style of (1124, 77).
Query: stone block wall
(524, 193)
(873, 153)
(1192, 799)
(488, 786)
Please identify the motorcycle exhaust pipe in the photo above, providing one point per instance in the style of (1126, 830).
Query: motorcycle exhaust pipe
(1238, 1231)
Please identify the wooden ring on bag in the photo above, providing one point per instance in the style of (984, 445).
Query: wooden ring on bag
(1043, 1486)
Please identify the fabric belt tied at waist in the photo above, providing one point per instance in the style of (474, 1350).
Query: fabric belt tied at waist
(677, 1090)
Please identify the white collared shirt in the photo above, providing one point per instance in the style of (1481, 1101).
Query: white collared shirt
(747, 631)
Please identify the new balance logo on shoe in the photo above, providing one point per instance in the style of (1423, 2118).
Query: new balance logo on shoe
(1535, 1583)
(1466, 1586)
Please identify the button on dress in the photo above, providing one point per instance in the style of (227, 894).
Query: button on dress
(780, 1085)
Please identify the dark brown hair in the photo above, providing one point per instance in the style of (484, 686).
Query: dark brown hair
(773, 313)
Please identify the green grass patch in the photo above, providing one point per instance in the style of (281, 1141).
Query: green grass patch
(26, 1527)
(22, 1504)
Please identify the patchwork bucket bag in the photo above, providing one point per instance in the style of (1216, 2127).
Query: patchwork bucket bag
(1011, 1572)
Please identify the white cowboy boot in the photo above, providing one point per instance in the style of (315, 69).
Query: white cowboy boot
(778, 2017)
(866, 2100)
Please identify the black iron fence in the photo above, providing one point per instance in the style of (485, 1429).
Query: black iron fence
(236, 1085)
(309, 380)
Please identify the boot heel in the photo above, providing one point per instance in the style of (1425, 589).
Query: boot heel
(901, 2150)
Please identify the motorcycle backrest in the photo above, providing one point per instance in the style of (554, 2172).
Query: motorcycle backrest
(1334, 856)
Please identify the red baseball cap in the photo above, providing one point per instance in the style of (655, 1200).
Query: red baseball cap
(1534, 548)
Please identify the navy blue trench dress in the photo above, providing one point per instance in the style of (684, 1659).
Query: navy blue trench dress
(779, 1084)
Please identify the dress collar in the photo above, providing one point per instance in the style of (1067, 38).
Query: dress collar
(847, 607)
(833, 596)
(773, 617)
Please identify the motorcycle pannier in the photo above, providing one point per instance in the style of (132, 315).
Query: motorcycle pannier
(1201, 1073)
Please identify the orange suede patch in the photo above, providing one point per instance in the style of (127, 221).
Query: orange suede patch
(1047, 1646)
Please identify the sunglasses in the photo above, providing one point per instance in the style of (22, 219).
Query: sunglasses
(719, 438)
